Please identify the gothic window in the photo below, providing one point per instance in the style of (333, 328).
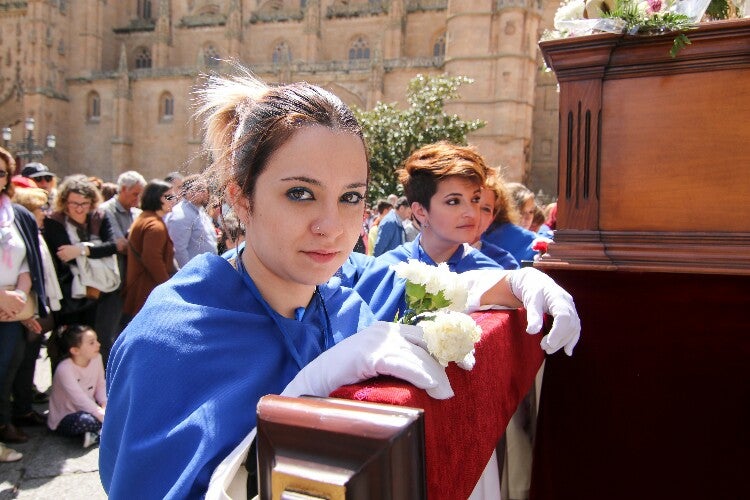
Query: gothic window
(359, 49)
(63, 6)
(142, 58)
(61, 47)
(438, 48)
(211, 57)
(302, 4)
(281, 53)
(144, 9)
(166, 107)
(93, 107)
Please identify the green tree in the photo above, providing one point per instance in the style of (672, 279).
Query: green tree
(392, 134)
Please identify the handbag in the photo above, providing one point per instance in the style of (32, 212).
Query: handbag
(91, 277)
(28, 311)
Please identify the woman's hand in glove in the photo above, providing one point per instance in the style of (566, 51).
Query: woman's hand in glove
(540, 294)
(379, 349)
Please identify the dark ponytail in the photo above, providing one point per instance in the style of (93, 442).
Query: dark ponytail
(63, 338)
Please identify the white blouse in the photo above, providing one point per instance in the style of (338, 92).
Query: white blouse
(12, 258)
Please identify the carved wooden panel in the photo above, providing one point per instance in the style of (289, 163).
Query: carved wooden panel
(654, 158)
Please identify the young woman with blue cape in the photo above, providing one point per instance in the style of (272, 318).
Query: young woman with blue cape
(185, 377)
(454, 197)
(446, 184)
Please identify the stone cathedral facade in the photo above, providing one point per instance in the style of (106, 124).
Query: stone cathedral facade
(112, 79)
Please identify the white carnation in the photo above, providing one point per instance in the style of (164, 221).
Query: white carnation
(458, 294)
(435, 283)
(450, 336)
(414, 271)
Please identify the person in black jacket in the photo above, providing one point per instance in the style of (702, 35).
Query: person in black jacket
(77, 227)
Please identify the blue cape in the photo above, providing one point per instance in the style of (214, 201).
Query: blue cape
(374, 280)
(499, 255)
(512, 238)
(184, 378)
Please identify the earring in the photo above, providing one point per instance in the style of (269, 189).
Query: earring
(318, 231)
(426, 225)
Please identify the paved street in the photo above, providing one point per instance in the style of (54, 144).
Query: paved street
(53, 467)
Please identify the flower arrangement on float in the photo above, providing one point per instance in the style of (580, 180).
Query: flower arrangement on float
(436, 299)
(585, 17)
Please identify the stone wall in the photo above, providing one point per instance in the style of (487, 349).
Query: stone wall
(491, 41)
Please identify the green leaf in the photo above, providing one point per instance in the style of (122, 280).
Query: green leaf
(415, 291)
(680, 42)
(439, 301)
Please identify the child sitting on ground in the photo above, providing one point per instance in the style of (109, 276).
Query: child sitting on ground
(78, 397)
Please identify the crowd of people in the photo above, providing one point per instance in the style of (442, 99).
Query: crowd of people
(87, 254)
(236, 319)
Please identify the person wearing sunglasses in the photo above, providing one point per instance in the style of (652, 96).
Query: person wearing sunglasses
(150, 249)
(41, 175)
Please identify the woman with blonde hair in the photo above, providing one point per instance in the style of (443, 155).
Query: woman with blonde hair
(495, 200)
(24, 391)
(36, 200)
(508, 229)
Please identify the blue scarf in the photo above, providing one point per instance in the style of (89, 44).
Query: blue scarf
(184, 378)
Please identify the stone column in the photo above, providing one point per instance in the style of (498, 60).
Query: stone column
(494, 42)
(393, 40)
(311, 49)
(122, 140)
(163, 34)
(234, 29)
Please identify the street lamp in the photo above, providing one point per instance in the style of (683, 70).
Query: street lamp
(28, 149)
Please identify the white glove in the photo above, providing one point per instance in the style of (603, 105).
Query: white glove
(379, 349)
(540, 294)
(478, 282)
(415, 335)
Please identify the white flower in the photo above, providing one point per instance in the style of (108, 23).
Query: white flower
(458, 294)
(450, 336)
(572, 9)
(435, 279)
(414, 271)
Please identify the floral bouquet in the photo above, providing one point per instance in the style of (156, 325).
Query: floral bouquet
(435, 299)
(584, 17)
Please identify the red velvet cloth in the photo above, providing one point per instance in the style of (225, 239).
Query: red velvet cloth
(461, 432)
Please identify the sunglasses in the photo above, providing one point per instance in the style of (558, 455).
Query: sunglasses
(45, 178)
(169, 197)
